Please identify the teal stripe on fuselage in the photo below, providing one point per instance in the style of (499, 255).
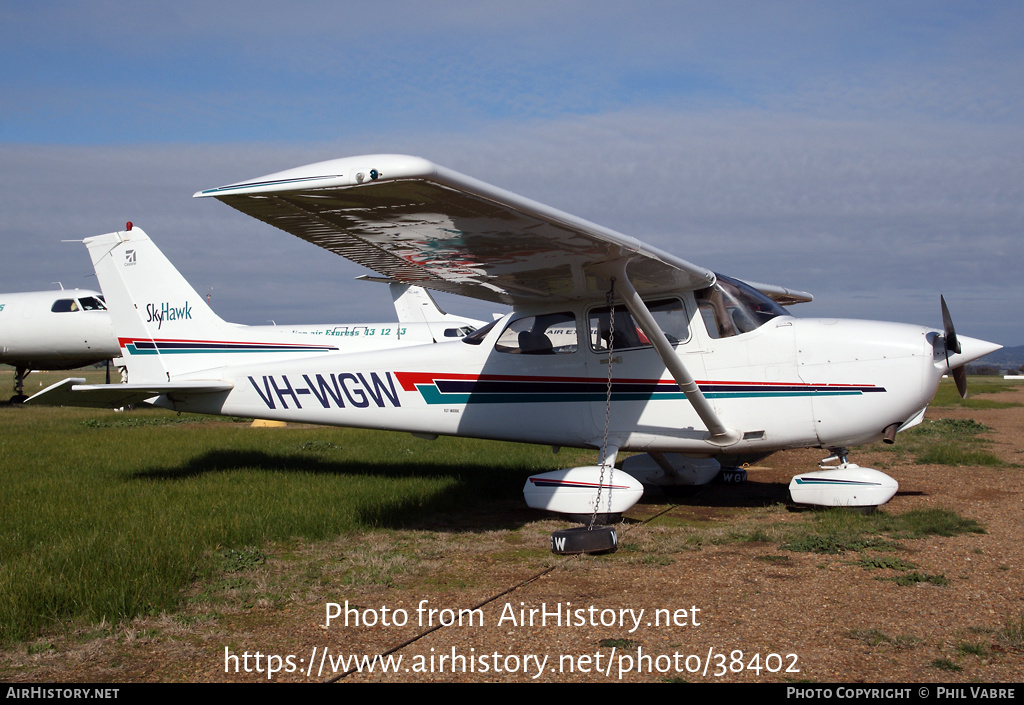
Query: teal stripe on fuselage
(208, 351)
(432, 395)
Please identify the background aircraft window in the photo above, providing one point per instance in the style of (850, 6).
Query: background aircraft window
(669, 314)
(64, 306)
(91, 303)
(548, 334)
(461, 332)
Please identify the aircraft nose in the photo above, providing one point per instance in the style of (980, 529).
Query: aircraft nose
(970, 350)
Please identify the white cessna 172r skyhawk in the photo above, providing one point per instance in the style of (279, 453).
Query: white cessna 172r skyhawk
(611, 344)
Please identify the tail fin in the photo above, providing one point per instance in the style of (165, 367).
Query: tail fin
(415, 305)
(163, 326)
(151, 305)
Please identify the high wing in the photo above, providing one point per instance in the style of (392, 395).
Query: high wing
(419, 223)
(780, 294)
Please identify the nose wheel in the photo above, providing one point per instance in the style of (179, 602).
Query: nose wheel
(843, 485)
(838, 454)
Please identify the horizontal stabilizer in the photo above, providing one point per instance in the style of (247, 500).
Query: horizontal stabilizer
(74, 392)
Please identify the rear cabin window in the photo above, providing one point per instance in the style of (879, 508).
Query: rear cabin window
(547, 334)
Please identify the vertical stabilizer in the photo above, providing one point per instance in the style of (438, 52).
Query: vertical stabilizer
(154, 310)
(414, 304)
(165, 329)
(416, 307)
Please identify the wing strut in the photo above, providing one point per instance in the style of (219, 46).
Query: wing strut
(720, 434)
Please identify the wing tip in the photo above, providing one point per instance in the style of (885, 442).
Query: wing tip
(345, 171)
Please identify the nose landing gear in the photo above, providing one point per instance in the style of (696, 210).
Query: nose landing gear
(844, 485)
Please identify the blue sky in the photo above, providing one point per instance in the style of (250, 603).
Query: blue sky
(871, 153)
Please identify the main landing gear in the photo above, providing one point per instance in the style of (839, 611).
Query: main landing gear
(20, 373)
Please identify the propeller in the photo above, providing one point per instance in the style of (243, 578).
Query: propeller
(953, 346)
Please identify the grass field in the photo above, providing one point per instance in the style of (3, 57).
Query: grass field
(948, 396)
(106, 516)
(110, 515)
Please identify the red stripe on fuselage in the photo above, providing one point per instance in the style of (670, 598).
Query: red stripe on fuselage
(409, 380)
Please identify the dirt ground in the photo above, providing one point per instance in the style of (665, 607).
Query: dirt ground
(713, 610)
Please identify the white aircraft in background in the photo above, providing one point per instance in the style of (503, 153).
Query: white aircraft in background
(53, 330)
(611, 344)
(59, 330)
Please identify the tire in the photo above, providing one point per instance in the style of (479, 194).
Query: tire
(600, 539)
(731, 476)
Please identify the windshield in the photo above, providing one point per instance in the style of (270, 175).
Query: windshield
(731, 307)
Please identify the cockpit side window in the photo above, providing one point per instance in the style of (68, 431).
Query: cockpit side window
(669, 314)
(546, 334)
(731, 307)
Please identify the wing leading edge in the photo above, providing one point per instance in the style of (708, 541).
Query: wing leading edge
(419, 223)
